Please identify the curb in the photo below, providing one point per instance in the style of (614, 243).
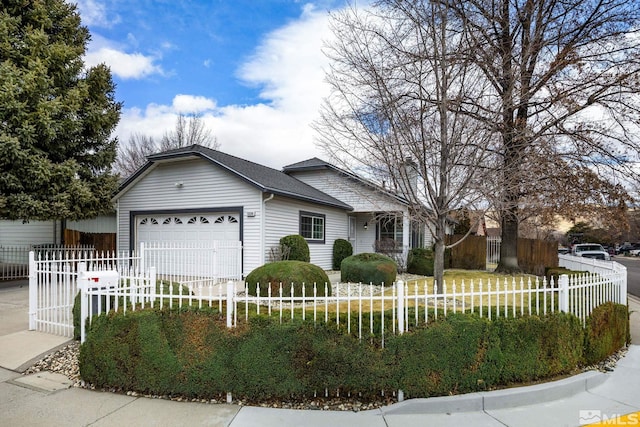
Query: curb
(26, 365)
(500, 399)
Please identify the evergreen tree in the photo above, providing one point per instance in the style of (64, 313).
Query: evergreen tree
(57, 116)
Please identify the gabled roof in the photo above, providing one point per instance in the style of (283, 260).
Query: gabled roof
(266, 179)
(319, 164)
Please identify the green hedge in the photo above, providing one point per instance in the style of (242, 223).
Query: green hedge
(341, 249)
(298, 247)
(300, 274)
(607, 330)
(420, 261)
(191, 352)
(370, 268)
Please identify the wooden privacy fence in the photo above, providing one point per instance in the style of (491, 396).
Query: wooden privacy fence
(102, 242)
(534, 255)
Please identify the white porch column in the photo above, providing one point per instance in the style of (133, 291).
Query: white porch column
(406, 234)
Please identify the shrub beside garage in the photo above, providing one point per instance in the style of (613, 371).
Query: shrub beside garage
(191, 352)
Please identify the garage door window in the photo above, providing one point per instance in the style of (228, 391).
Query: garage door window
(312, 227)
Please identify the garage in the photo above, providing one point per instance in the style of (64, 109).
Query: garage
(188, 229)
(192, 247)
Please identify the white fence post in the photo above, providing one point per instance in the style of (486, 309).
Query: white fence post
(33, 291)
(563, 295)
(84, 303)
(400, 313)
(231, 288)
(152, 284)
(141, 259)
(623, 289)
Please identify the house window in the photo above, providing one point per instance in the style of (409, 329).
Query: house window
(312, 226)
(417, 234)
(390, 227)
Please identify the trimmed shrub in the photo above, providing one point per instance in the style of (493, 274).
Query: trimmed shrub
(297, 247)
(75, 311)
(542, 346)
(444, 357)
(191, 352)
(341, 249)
(371, 268)
(297, 273)
(420, 262)
(606, 332)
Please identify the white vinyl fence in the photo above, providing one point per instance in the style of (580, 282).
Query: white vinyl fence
(373, 310)
(53, 275)
(156, 276)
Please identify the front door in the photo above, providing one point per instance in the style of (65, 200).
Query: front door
(352, 232)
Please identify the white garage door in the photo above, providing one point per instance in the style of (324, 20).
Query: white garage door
(188, 228)
(192, 248)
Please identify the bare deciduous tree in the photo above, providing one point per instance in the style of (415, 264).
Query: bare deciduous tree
(564, 76)
(397, 81)
(132, 156)
(188, 131)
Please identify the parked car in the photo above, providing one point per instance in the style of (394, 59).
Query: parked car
(629, 249)
(563, 251)
(591, 250)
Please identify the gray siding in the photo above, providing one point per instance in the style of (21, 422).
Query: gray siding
(204, 185)
(15, 233)
(282, 219)
(101, 224)
(360, 197)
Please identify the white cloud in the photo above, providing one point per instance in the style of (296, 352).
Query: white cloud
(94, 13)
(122, 64)
(192, 104)
(288, 67)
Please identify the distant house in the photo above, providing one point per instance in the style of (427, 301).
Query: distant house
(49, 233)
(195, 194)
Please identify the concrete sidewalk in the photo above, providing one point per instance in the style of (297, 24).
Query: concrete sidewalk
(46, 399)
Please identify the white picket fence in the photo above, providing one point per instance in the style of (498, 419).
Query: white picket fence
(53, 275)
(358, 307)
(156, 276)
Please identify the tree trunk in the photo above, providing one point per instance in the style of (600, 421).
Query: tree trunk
(509, 245)
(438, 260)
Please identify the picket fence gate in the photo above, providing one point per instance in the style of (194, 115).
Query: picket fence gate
(53, 275)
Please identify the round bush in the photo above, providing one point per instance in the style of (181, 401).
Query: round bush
(371, 268)
(420, 262)
(341, 249)
(297, 273)
(298, 247)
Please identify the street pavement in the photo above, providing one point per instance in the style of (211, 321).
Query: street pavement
(46, 399)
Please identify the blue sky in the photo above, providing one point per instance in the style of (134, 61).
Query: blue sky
(253, 70)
